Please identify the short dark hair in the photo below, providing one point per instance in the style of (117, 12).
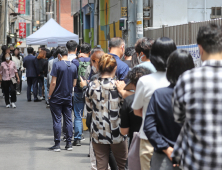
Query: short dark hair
(62, 50)
(4, 48)
(71, 45)
(52, 51)
(210, 38)
(85, 48)
(115, 42)
(43, 48)
(129, 51)
(136, 73)
(48, 53)
(179, 62)
(30, 50)
(144, 45)
(96, 49)
(160, 51)
(3, 57)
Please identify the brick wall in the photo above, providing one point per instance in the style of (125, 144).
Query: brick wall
(66, 20)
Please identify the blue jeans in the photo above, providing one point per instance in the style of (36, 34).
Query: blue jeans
(46, 88)
(78, 105)
(40, 81)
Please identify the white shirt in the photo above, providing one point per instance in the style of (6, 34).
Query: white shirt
(18, 62)
(71, 57)
(144, 91)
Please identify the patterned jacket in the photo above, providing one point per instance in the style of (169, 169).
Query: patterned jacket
(104, 102)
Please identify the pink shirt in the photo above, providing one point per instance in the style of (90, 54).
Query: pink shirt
(8, 70)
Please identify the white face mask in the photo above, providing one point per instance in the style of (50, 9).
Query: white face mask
(140, 59)
(94, 69)
(7, 58)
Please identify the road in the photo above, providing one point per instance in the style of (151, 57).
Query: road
(26, 133)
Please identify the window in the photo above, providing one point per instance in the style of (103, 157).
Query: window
(28, 29)
(27, 8)
(216, 12)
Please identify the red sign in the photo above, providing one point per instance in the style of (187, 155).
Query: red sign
(21, 6)
(22, 29)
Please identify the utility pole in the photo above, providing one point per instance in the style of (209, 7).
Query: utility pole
(33, 18)
(5, 28)
(139, 22)
(80, 15)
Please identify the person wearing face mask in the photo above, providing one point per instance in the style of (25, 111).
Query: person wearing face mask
(143, 48)
(8, 71)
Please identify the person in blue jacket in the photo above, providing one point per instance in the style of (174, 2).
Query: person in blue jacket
(32, 72)
(159, 126)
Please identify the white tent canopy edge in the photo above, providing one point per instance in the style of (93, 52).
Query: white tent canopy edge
(51, 30)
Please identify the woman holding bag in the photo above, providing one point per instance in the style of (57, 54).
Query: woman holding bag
(8, 71)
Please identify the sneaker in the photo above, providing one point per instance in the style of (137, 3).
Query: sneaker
(55, 148)
(47, 106)
(13, 105)
(69, 147)
(18, 93)
(82, 138)
(37, 100)
(76, 143)
(8, 106)
(41, 98)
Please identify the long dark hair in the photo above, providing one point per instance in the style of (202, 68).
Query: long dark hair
(18, 56)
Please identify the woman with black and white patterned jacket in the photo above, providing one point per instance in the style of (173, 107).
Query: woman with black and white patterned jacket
(104, 102)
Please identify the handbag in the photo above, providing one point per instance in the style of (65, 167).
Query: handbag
(13, 79)
(134, 153)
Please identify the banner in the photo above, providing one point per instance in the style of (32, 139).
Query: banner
(194, 51)
(22, 29)
(52, 42)
(21, 6)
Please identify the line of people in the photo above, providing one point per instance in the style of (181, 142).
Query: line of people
(146, 104)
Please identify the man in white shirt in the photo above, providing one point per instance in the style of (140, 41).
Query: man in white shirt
(146, 85)
(72, 49)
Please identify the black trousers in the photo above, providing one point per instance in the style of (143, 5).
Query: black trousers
(9, 88)
(32, 81)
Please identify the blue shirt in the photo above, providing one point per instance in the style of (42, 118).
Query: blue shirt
(122, 68)
(65, 72)
(148, 65)
(76, 62)
(159, 125)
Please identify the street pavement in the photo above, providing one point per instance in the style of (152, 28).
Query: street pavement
(26, 134)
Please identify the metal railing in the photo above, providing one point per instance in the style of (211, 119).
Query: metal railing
(181, 34)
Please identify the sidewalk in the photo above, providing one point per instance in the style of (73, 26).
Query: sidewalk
(26, 133)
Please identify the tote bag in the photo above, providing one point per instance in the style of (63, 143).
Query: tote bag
(134, 153)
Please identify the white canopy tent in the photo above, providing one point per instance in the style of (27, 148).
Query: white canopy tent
(51, 31)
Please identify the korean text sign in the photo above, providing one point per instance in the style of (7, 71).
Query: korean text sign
(22, 29)
(21, 6)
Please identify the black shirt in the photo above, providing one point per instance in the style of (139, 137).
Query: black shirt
(128, 119)
(45, 67)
